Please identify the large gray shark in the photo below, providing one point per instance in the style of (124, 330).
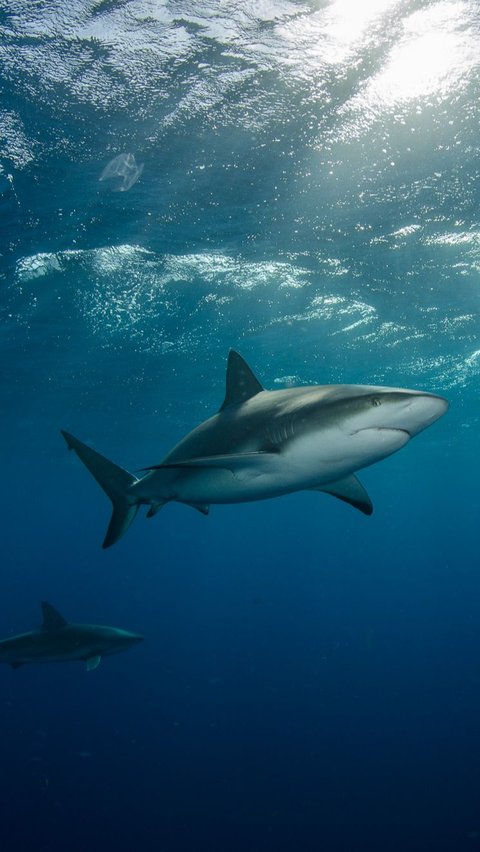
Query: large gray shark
(264, 444)
(57, 641)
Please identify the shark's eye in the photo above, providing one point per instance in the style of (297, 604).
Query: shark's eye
(376, 401)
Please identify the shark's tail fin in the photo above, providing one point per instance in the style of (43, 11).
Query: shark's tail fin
(115, 482)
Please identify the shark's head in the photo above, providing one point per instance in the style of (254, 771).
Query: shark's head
(107, 640)
(123, 639)
(378, 421)
(365, 424)
(392, 409)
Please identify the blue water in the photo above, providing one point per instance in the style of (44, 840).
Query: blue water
(310, 196)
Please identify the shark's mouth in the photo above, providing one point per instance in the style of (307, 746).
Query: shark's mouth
(394, 429)
(380, 429)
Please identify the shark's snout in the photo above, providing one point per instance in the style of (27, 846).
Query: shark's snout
(129, 640)
(419, 411)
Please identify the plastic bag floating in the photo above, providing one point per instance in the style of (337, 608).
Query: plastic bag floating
(121, 172)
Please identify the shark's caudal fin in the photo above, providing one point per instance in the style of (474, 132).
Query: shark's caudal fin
(116, 483)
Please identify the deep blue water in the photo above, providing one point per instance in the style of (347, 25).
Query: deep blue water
(310, 196)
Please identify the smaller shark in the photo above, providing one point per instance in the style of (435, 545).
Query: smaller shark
(57, 641)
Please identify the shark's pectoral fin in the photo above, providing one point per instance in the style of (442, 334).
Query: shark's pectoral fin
(93, 663)
(235, 462)
(16, 665)
(350, 490)
(200, 507)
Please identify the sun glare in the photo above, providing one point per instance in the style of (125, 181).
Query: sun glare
(347, 20)
(425, 53)
(435, 53)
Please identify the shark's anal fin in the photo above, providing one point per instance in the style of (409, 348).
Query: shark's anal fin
(350, 490)
(93, 663)
(241, 383)
(52, 620)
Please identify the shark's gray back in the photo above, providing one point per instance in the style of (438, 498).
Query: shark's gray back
(265, 422)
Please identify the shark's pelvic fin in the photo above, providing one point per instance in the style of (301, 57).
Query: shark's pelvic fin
(241, 383)
(52, 620)
(116, 483)
(93, 663)
(350, 490)
(155, 507)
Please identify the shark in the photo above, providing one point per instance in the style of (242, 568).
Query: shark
(58, 641)
(267, 443)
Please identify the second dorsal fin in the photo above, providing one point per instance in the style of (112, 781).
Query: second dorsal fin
(52, 620)
(241, 383)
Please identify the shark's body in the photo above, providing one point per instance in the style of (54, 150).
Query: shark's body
(57, 641)
(263, 444)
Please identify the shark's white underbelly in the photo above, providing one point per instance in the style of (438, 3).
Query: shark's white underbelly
(225, 486)
(308, 463)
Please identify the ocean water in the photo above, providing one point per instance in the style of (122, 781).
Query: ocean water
(299, 181)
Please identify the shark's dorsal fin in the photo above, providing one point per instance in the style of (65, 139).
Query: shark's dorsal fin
(52, 620)
(241, 383)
